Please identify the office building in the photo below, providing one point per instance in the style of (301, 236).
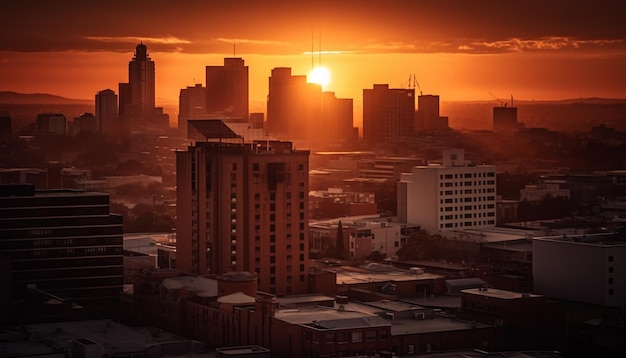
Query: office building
(227, 88)
(388, 114)
(427, 116)
(51, 123)
(505, 119)
(191, 105)
(585, 268)
(244, 207)
(453, 195)
(64, 242)
(293, 107)
(336, 122)
(107, 115)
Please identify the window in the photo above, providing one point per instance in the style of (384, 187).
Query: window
(255, 167)
(610, 269)
(610, 258)
(370, 335)
(357, 336)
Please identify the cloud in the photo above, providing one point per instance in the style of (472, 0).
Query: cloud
(538, 45)
(253, 42)
(134, 39)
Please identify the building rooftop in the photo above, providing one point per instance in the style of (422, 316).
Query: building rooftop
(330, 318)
(203, 287)
(598, 240)
(352, 275)
(501, 294)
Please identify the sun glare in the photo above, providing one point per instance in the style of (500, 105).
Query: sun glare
(320, 75)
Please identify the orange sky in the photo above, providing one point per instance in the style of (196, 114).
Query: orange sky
(458, 49)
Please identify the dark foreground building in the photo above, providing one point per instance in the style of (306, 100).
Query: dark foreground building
(62, 242)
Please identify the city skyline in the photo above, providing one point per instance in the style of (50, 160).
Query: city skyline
(459, 50)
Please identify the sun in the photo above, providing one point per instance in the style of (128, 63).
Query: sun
(319, 75)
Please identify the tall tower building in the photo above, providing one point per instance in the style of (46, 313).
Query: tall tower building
(227, 88)
(244, 207)
(388, 114)
(107, 112)
(64, 242)
(449, 196)
(137, 97)
(293, 106)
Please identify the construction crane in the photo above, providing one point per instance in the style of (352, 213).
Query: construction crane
(415, 83)
(502, 103)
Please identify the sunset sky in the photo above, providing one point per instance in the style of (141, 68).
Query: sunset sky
(458, 49)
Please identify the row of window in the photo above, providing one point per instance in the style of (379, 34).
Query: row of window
(345, 337)
(468, 175)
(467, 183)
(467, 224)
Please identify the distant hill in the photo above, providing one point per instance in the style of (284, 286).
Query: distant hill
(8, 97)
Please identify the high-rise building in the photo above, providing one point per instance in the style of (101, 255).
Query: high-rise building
(293, 106)
(505, 118)
(227, 88)
(51, 123)
(191, 105)
(388, 114)
(455, 194)
(137, 97)
(427, 117)
(336, 122)
(64, 242)
(106, 112)
(244, 207)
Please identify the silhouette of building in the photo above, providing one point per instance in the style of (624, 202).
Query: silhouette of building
(107, 114)
(243, 207)
(191, 105)
(51, 123)
(293, 106)
(85, 123)
(448, 196)
(5, 126)
(137, 109)
(64, 242)
(388, 114)
(505, 119)
(227, 88)
(427, 115)
(336, 122)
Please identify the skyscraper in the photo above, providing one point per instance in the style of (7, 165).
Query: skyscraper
(505, 119)
(244, 207)
(388, 114)
(107, 112)
(293, 106)
(137, 97)
(227, 88)
(64, 242)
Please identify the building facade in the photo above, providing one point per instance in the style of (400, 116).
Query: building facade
(244, 207)
(388, 114)
(448, 196)
(64, 242)
(191, 105)
(227, 88)
(293, 106)
(107, 115)
(598, 275)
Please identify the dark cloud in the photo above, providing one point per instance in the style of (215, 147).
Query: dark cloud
(278, 27)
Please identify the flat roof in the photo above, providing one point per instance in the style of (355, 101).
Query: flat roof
(330, 318)
(352, 275)
(502, 294)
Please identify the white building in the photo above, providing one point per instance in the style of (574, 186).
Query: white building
(448, 196)
(583, 268)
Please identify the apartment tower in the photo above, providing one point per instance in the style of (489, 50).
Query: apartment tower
(244, 207)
